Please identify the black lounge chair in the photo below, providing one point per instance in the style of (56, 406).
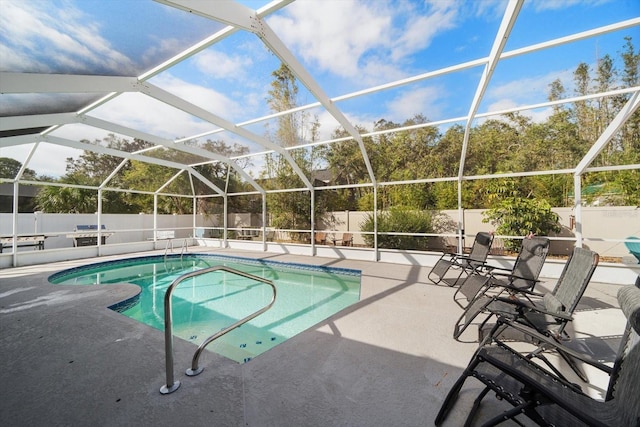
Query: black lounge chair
(548, 315)
(548, 399)
(462, 263)
(523, 275)
(547, 312)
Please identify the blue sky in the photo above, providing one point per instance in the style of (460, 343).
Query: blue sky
(346, 45)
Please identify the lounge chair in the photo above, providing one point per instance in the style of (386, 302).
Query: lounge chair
(548, 399)
(461, 263)
(551, 312)
(523, 275)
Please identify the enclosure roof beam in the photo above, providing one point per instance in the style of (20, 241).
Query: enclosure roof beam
(508, 21)
(447, 70)
(247, 19)
(64, 83)
(276, 45)
(125, 155)
(179, 103)
(36, 121)
(113, 127)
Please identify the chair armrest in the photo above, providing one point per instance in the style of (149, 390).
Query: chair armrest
(525, 305)
(509, 277)
(514, 276)
(493, 267)
(525, 292)
(551, 342)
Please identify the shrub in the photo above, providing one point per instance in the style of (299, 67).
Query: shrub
(518, 216)
(401, 220)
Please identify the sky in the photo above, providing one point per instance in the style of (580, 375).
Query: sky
(345, 45)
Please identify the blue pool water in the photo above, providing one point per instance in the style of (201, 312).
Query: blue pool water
(208, 303)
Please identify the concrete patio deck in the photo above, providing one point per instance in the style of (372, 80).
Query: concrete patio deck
(388, 360)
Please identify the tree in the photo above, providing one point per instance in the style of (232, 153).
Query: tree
(290, 210)
(9, 168)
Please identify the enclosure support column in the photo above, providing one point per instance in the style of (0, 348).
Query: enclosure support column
(225, 207)
(14, 224)
(264, 222)
(460, 219)
(155, 219)
(313, 222)
(193, 231)
(99, 225)
(577, 208)
(375, 223)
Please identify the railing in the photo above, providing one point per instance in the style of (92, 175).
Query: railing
(166, 248)
(172, 385)
(184, 248)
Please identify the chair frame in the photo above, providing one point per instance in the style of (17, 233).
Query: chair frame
(548, 399)
(523, 275)
(464, 263)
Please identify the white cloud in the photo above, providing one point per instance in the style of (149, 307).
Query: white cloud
(525, 91)
(415, 101)
(73, 42)
(327, 33)
(362, 40)
(148, 115)
(48, 159)
(220, 65)
(421, 29)
(541, 5)
(204, 97)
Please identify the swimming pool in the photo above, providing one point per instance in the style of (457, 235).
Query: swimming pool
(207, 303)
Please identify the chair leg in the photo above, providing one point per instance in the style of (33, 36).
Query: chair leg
(452, 396)
(476, 405)
(509, 415)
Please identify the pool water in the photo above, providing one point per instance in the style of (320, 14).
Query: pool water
(205, 304)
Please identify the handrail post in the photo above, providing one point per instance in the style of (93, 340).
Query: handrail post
(171, 384)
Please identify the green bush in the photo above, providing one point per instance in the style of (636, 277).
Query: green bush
(518, 216)
(401, 220)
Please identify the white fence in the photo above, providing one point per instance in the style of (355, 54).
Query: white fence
(603, 228)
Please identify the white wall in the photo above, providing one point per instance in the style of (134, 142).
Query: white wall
(599, 224)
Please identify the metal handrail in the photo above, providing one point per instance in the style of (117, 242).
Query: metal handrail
(171, 384)
(184, 248)
(166, 248)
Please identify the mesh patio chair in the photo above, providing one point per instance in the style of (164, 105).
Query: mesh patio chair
(523, 275)
(548, 315)
(461, 263)
(548, 399)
